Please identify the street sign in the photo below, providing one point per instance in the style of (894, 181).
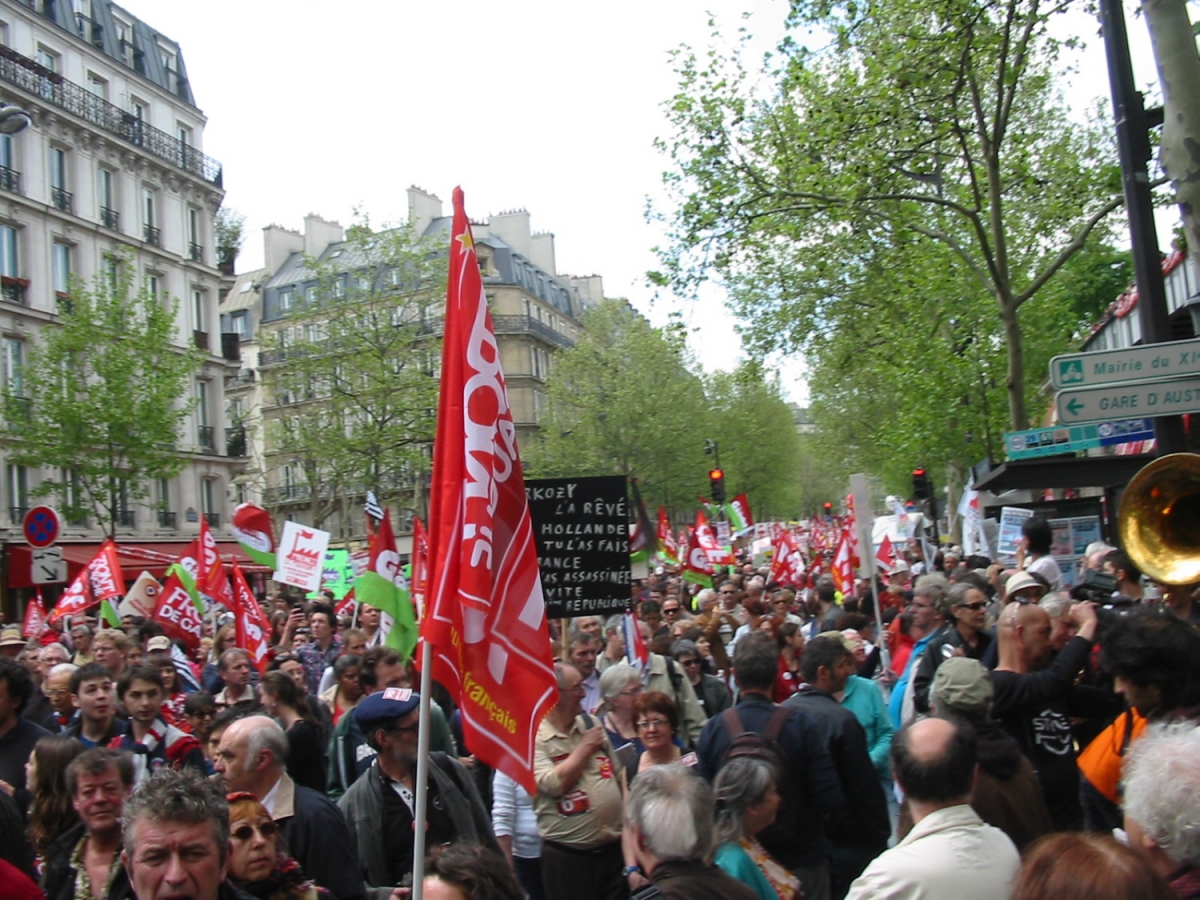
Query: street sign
(1148, 398)
(1127, 364)
(1070, 438)
(40, 526)
(48, 566)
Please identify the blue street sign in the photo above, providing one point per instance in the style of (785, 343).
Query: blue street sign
(1071, 438)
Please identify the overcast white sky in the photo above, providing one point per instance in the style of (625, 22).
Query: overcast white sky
(548, 105)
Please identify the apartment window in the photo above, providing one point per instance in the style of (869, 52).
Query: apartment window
(139, 109)
(310, 294)
(339, 287)
(167, 58)
(61, 258)
(107, 198)
(208, 497)
(97, 86)
(184, 133)
(4, 35)
(150, 231)
(17, 478)
(47, 58)
(59, 195)
(8, 252)
(199, 311)
(124, 44)
(202, 402)
(14, 364)
(153, 287)
(287, 299)
(112, 273)
(162, 493)
(241, 325)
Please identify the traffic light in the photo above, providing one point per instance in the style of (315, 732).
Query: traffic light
(716, 480)
(828, 510)
(921, 487)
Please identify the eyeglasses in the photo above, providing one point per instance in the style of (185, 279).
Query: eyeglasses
(656, 724)
(673, 611)
(266, 831)
(688, 663)
(977, 605)
(401, 729)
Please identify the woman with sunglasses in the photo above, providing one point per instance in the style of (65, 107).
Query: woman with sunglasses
(258, 864)
(965, 636)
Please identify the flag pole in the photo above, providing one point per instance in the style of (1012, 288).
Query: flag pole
(422, 780)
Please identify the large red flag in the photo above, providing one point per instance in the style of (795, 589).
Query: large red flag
(485, 615)
(885, 556)
(210, 575)
(35, 618)
(248, 622)
(666, 541)
(104, 571)
(76, 599)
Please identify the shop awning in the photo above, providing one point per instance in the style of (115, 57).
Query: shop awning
(1063, 472)
(135, 558)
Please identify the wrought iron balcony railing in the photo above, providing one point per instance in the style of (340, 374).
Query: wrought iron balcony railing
(50, 86)
(10, 180)
(196, 251)
(61, 198)
(168, 519)
(110, 218)
(152, 235)
(207, 439)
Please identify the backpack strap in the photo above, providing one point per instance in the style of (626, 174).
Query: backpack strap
(733, 723)
(775, 723)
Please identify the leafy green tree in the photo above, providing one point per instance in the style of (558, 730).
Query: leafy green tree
(926, 134)
(356, 394)
(102, 397)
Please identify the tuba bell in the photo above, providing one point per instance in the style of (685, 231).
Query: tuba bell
(1159, 520)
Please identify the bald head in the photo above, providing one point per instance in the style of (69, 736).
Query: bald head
(934, 760)
(252, 755)
(1024, 633)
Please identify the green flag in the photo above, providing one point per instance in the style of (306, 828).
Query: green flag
(380, 587)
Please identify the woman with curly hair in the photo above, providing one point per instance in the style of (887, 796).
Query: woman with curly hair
(51, 813)
(465, 871)
(258, 864)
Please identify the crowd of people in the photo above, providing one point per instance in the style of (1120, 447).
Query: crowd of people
(973, 730)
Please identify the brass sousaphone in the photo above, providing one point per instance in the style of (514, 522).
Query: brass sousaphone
(1159, 520)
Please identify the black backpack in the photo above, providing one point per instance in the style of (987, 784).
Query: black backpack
(762, 745)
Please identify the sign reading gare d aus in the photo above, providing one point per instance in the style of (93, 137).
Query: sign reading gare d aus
(581, 527)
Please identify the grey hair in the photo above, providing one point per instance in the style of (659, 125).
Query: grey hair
(1056, 605)
(63, 668)
(935, 587)
(613, 624)
(560, 669)
(183, 796)
(52, 648)
(708, 595)
(614, 679)
(223, 661)
(672, 809)
(1162, 780)
(580, 637)
(264, 734)
(741, 783)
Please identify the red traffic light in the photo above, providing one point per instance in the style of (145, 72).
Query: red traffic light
(918, 473)
(715, 475)
(828, 507)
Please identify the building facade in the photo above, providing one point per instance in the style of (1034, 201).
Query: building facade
(112, 162)
(536, 312)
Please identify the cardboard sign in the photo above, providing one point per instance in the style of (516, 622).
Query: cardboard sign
(301, 555)
(142, 597)
(581, 527)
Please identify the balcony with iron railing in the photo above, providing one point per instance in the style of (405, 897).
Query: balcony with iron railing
(126, 518)
(61, 198)
(110, 218)
(207, 438)
(152, 235)
(13, 289)
(10, 180)
(288, 493)
(196, 252)
(530, 325)
(242, 378)
(235, 441)
(213, 519)
(40, 82)
(168, 519)
(16, 514)
(201, 339)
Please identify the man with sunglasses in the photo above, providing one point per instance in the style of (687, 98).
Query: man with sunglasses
(380, 807)
(965, 637)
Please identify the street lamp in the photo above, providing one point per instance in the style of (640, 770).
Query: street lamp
(13, 119)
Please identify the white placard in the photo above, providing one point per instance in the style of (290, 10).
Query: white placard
(1011, 520)
(142, 598)
(300, 556)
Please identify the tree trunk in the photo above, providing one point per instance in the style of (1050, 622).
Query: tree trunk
(1014, 382)
(1179, 75)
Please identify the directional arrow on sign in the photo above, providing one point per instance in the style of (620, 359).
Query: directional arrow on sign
(1167, 397)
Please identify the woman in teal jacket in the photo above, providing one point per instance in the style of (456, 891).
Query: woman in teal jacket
(746, 803)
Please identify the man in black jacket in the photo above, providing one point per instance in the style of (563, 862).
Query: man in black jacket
(809, 787)
(967, 614)
(251, 757)
(861, 833)
(99, 781)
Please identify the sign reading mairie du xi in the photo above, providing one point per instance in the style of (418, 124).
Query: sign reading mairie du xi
(1139, 363)
(581, 527)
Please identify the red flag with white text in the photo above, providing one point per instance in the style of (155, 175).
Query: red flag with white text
(104, 572)
(210, 576)
(419, 581)
(248, 621)
(486, 615)
(885, 556)
(843, 569)
(76, 599)
(345, 606)
(177, 613)
(666, 541)
(696, 567)
(34, 623)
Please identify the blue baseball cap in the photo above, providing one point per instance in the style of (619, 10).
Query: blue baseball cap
(385, 706)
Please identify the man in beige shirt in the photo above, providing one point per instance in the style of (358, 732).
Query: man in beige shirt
(578, 803)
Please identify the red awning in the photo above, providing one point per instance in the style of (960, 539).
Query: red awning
(152, 557)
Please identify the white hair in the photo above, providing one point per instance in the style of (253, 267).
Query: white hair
(1056, 605)
(707, 595)
(63, 668)
(1162, 784)
(616, 678)
(264, 734)
(672, 809)
(52, 647)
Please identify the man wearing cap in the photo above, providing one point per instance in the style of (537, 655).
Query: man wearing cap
(1035, 701)
(380, 807)
(1007, 793)
(1023, 586)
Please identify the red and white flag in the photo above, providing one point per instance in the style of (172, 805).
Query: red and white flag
(248, 622)
(419, 581)
(486, 615)
(635, 647)
(345, 606)
(34, 624)
(76, 599)
(886, 555)
(696, 567)
(843, 567)
(666, 541)
(177, 613)
(104, 571)
(211, 579)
